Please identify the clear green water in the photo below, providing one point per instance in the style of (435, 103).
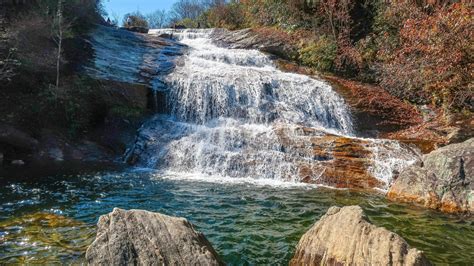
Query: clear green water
(52, 219)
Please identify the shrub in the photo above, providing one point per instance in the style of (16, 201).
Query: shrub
(135, 19)
(230, 16)
(435, 58)
(188, 23)
(320, 54)
(8, 66)
(76, 106)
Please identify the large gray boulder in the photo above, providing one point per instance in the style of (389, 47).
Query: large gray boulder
(344, 236)
(138, 237)
(443, 180)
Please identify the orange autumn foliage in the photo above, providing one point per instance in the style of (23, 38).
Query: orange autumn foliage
(435, 58)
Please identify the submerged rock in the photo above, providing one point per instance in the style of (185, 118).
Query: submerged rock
(42, 239)
(344, 236)
(443, 180)
(138, 237)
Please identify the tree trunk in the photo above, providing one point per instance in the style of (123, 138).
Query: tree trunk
(60, 41)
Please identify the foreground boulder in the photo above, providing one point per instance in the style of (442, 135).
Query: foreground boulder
(138, 237)
(343, 236)
(443, 180)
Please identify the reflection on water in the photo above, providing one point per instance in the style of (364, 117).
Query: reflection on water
(44, 238)
(246, 222)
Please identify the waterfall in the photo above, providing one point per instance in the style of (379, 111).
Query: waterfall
(217, 82)
(233, 113)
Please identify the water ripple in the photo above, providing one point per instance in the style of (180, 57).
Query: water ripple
(247, 224)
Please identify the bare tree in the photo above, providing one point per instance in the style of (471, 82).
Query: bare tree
(157, 19)
(190, 9)
(59, 28)
(337, 13)
(115, 19)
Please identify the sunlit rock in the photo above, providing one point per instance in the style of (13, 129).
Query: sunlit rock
(344, 236)
(264, 40)
(128, 57)
(138, 237)
(444, 180)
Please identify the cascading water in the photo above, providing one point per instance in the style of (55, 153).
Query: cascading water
(233, 118)
(234, 114)
(243, 84)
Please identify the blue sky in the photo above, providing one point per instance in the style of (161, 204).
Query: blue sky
(122, 7)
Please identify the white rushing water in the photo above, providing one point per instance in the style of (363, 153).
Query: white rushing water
(217, 82)
(234, 114)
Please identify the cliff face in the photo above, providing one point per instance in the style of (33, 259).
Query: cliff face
(103, 94)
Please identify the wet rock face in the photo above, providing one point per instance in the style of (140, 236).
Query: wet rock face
(344, 236)
(249, 39)
(291, 153)
(374, 109)
(138, 237)
(344, 162)
(128, 57)
(56, 148)
(136, 29)
(443, 180)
